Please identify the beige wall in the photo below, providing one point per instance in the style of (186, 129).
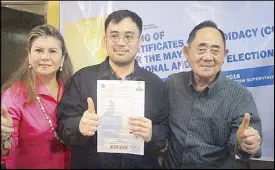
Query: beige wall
(36, 7)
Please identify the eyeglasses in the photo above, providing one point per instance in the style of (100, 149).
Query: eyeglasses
(126, 38)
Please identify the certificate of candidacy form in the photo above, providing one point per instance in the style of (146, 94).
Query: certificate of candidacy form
(117, 100)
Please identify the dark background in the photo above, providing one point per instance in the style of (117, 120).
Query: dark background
(15, 27)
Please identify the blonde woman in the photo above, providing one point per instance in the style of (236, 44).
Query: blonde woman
(29, 101)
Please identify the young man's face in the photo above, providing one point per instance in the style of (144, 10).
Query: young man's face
(122, 41)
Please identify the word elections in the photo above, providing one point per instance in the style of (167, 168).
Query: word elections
(263, 54)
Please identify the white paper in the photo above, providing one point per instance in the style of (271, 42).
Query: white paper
(117, 100)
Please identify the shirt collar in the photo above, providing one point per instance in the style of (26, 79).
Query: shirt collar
(42, 90)
(105, 70)
(128, 77)
(217, 85)
(210, 90)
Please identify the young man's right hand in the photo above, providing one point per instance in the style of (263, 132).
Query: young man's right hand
(89, 121)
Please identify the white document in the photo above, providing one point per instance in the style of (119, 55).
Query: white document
(117, 100)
